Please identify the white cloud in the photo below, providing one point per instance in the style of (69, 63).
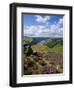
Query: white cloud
(30, 30)
(60, 21)
(43, 31)
(53, 30)
(41, 19)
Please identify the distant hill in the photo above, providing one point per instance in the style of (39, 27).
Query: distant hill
(41, 40)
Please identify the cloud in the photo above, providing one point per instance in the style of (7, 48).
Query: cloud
(58, 26)
(60, 21)
(43, 31)
(42, 19)
(49, 30)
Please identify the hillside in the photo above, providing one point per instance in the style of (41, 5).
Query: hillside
(48, 58)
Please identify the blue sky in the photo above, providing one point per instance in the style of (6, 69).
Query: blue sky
(42, 25)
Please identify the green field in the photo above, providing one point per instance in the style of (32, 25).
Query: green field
(49, 46)
(43, 48)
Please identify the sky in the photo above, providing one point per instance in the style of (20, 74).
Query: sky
(42, 25)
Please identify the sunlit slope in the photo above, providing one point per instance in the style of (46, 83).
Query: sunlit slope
(43, 48)
(49, 45)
